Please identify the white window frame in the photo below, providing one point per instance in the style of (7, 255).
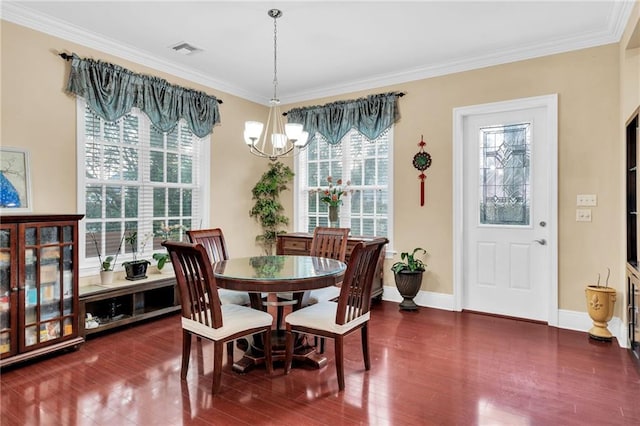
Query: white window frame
(91, 266)
(300, 211)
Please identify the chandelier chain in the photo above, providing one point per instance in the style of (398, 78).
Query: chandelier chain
(275, 58)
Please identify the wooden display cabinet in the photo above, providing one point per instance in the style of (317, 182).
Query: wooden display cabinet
(38, 285)
(633, 269)
(299, 243)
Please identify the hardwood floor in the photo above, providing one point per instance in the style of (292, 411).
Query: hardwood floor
(427, 368)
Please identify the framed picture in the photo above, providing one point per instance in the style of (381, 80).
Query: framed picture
(15, 184)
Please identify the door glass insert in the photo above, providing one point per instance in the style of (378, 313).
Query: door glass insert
(505, 156)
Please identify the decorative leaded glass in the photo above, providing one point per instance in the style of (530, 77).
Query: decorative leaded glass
(505, 157)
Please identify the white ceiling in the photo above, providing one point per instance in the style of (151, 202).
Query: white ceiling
(324, 47)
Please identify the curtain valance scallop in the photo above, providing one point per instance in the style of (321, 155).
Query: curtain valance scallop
(370, 116)
(111, 91)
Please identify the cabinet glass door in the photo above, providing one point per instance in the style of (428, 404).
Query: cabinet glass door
(49, 310)
(8, 287)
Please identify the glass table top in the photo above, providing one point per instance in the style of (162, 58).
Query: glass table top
(287, 267)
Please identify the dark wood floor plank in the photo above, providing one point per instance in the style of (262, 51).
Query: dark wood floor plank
(430, 367)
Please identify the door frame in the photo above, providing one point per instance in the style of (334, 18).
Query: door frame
(550, 104)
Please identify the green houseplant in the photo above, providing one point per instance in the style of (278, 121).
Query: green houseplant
(107, 264)
(135, 269)
(408, 277)
(167, 233)
(267, 209)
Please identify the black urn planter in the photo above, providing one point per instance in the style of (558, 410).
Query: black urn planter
(408, 284)
(136, 270)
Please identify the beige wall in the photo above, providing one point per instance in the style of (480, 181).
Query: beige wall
(587, 83)
(39, 116)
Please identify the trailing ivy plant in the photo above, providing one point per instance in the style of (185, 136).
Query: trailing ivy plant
(267, 209)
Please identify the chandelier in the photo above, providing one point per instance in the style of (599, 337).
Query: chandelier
(279, 139)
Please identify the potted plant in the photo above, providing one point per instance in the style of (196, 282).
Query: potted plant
(408, 276)
(167, 233)
(107, 264)
(267, 209)
(135, 269)
(601, 301)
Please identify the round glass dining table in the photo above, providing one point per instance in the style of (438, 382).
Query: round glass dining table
(270, 275)
(284, 273)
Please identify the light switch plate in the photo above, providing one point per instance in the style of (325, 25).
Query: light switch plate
(583, 215)
(587, 200)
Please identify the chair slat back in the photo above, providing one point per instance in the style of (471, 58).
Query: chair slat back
(330, 242)
(213, 242)
(196, 283)
(355, 293)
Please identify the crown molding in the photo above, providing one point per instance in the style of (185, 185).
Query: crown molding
(612, 34)
(16, 13)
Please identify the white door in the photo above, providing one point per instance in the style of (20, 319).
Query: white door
(508, 217)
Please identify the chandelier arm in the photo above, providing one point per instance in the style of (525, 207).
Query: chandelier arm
(276, 134)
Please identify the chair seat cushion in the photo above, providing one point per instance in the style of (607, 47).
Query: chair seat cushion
(235, 318)
(233, 297)
(322, 316)
(323, 295)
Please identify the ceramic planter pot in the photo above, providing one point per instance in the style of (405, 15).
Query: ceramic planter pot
(408, 284)
(106, 277)
(600, 304)
(136, 270)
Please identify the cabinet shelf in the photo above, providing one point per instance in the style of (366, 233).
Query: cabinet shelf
(127, 302)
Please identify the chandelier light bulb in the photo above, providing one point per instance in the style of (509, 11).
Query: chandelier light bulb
(279, 140)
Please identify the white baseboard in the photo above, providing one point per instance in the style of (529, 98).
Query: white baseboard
(423, 298)
(570, 320)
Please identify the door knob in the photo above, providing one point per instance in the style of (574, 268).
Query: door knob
(542, 241)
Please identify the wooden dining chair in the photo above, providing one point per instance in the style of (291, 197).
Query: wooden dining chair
(331, 243)
(335, 320)
(213, 242)
(204, 316)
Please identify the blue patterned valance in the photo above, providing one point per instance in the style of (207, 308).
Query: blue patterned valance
(111, 91)
(371, 116)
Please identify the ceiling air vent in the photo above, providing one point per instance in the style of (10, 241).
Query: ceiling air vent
(185, 48)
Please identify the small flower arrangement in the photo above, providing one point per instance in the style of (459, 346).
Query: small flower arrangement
(334, 193)
(167, 233)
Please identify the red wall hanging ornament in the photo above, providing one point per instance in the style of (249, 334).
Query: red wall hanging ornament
(422, 161)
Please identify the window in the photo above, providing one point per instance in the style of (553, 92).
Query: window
(134, 178)
(505, 175)
(366, 164)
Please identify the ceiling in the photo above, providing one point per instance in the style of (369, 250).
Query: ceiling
(325, 48)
